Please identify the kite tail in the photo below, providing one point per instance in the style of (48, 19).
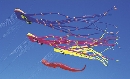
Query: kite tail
(83, 68)
(65, 67)
(79, 70)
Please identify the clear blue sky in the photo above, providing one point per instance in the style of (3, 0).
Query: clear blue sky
(24, 62)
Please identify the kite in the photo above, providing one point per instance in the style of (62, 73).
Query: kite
(64, 42)
(83, 52)
(62, 25)
(60, 65)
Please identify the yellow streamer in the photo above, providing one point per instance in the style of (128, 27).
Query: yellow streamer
(82, 51)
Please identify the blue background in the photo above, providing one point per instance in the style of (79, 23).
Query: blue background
(20, 59)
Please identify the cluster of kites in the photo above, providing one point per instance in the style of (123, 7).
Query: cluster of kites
(83, 48)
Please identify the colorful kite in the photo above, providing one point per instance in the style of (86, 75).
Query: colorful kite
(65, 43)
(62, 24)
(83, 52)
(63, 66)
